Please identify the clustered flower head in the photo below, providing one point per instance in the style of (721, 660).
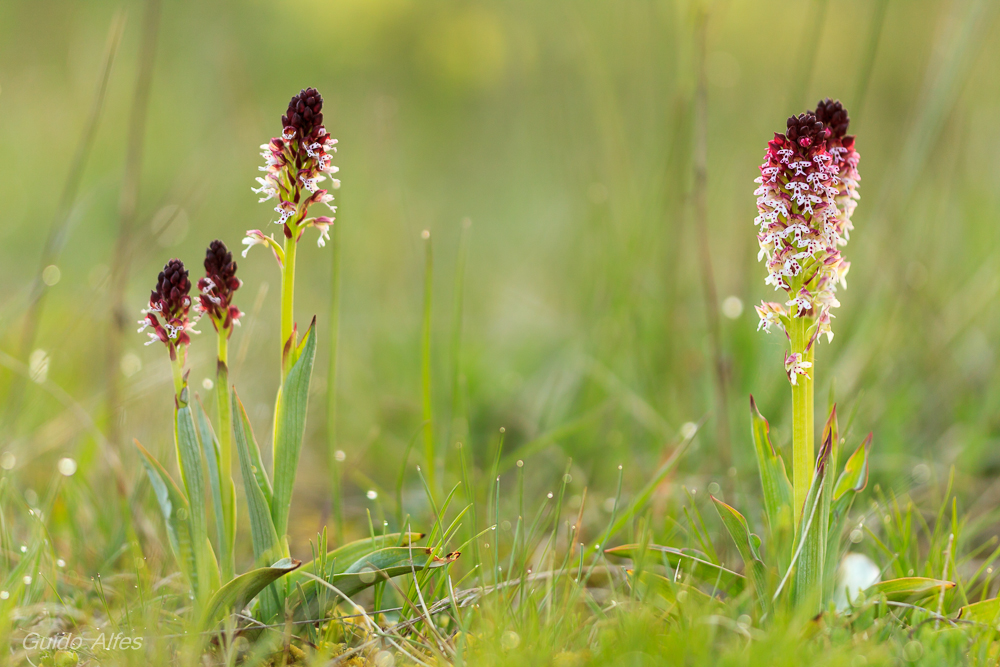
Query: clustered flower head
(170, 301)
(217, 288)
(807, 193)
(295, 165)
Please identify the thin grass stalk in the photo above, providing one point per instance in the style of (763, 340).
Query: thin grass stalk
(127, 203)
(709, 290)
(456, 330)
(430, 457)
(871, 51)
(336, 474)
(59, 231)
(811, 38)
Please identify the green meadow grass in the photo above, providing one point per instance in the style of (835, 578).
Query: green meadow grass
(563, 341)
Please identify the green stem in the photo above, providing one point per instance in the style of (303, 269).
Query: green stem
(177, 366)
(331, 415)
(287, 302)
(226, 485)
(803, 431)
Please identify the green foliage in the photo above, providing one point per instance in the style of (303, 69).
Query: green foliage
(289, 428)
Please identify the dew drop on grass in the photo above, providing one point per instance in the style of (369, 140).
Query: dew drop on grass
(4, 595)
(856, 535)
(51, 275)
(549, 496)
(24, 548)
(688, 430)
(367, 575)
(510, 640)
(913, 651)
(67, 467)
(732, 307)
(60, 563)
(27, 580)
(207, 383)
(372, 494)
(520, 463)
(340, 455)
(567, 478)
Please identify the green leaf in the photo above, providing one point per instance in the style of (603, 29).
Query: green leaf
(193, 478)
(374, 568)
(264, 538)
(773, 478)
(388, 562)
(241, 590)
(176, 514)
(908, 588)
(349, 553)
(855, 475)
(748, 545)
(289, 427)
(691, 561)
(811, 536)
(984, 611)
(263, 535)
(210, 449)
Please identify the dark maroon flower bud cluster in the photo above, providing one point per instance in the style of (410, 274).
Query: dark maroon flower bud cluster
(833, 114)
(806, 130)
(218, 286)
(169, 301)
(305, 112)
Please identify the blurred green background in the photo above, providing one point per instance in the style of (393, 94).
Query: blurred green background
(565, 132)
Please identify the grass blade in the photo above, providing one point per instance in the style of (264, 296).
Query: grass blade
(909, 588)
(694, 564)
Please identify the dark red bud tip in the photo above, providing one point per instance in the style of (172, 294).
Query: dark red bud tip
(305, 112)
(833, 114)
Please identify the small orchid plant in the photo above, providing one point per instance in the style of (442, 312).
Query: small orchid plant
(296, 162)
